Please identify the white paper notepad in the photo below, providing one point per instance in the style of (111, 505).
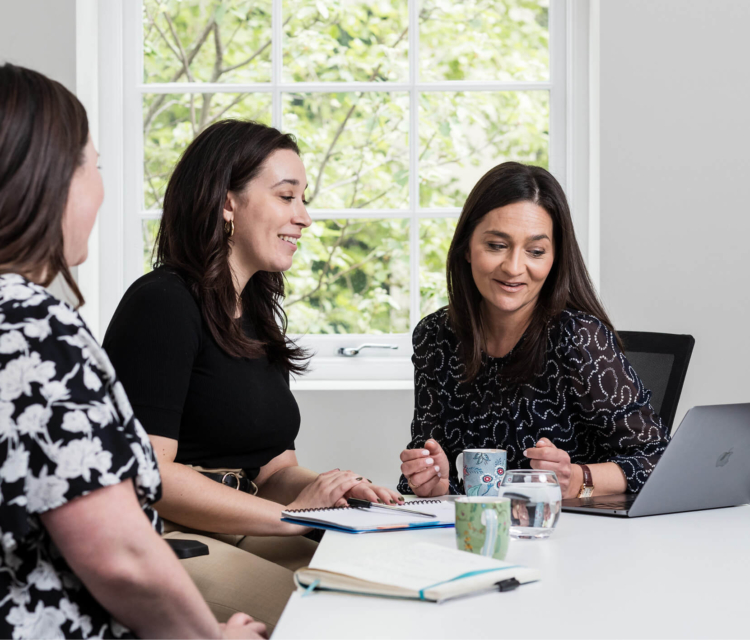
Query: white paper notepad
(353, 520)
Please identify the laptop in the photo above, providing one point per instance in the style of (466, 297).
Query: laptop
(705, 466)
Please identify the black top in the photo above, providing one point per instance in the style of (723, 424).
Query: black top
(225, 412)
(588, 401)
(66, 429)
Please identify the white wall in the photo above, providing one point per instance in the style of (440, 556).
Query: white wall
(41, 35)
(675, 213)
(359, 430)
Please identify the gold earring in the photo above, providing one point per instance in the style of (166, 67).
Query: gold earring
(229, 228)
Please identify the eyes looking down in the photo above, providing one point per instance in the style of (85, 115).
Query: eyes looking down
(511, 253)
(270, 214)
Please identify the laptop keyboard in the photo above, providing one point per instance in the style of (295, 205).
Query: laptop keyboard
(622, 503)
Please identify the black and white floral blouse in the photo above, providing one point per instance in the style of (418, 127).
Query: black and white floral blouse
(66, 429)
(588, 401)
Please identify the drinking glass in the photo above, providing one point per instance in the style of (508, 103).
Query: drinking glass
(535, 502)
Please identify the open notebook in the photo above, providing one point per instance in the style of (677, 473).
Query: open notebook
(419, 571)
(353, 520)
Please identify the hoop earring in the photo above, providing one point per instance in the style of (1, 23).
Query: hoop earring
(229, 228)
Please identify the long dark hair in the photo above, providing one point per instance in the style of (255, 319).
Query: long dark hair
(192, 241)
(568, 284)
(43, 134)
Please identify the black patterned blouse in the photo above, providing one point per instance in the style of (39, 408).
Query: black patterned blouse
(588, 401)
(66, 429)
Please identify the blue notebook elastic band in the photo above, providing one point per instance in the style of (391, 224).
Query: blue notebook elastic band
(470, 574)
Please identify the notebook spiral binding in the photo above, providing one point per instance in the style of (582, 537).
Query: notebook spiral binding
(347, 507)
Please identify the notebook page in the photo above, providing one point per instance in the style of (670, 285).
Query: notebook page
(414, 566)
(444, 511)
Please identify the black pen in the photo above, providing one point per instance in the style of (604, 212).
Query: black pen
(366, 504)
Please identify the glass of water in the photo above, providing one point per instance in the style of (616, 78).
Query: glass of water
(535, 502)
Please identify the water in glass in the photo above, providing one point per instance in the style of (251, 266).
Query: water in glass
(535, 502)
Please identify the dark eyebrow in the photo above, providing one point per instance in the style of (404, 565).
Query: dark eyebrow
(505, 236)
(291, 181)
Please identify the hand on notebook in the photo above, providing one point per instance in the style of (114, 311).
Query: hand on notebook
(373, 493)
(241, 625)
(326, 490)
(426, 469)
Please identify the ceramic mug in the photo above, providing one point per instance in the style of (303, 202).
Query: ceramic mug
(483, 525)
(483, 470)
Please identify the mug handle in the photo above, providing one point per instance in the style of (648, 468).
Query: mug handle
(460, 465)
(489, 520)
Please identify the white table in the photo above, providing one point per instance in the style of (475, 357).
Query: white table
(682, 575)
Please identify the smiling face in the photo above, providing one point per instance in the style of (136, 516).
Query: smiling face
(269, 215)
(511, 253)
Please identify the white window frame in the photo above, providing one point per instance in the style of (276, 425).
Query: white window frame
(121, 148)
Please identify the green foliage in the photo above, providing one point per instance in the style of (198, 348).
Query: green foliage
(435, 237)
(483, 40)
(464, 134)
(353, 275)
(227, 41)
(173, 120)
(355, 147)
(346, 41)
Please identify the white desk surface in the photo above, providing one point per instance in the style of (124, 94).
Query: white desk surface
(684, 575)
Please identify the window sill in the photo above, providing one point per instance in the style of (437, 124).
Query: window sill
(352, 385)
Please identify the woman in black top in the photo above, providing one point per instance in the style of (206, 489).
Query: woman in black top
(81, 554)
(524, 358)
(201, 349)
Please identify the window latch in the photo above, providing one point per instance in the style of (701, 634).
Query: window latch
(350, 352)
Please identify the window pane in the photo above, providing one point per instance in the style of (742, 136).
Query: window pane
(206, 41)
(171, 121)
(483, 40)
(356, 40)
(464, 134)
(350, 276)
(355, 147)
(149, 229)
(435, 237)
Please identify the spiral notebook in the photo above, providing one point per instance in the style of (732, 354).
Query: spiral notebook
(353, 520)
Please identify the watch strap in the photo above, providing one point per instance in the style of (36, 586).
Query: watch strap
(587, 488)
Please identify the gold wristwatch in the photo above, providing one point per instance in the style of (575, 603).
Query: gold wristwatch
(587, 488)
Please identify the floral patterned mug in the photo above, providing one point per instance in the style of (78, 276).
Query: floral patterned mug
(483, 470)
(483, 525)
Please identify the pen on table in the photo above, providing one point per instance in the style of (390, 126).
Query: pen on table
(366, 504)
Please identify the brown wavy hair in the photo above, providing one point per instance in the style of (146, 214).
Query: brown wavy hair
(43, 134)
(192, 242)
(568, 285)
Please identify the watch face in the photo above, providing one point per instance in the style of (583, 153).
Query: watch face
(586, 492)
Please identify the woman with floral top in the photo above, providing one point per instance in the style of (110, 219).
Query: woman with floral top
(80, 552)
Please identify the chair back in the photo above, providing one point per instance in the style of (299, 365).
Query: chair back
(661, 361)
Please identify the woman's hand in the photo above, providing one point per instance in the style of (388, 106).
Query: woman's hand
(326, 490)
(426, 470)
(242, 626)
(372, 492)
(547, 456)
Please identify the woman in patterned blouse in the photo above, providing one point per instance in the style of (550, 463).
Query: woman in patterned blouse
(524, 358)
(80, 554)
